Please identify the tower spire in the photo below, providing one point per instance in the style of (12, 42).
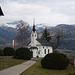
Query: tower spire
(34, 21)
(34, 25)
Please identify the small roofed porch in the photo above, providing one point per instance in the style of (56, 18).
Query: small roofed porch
(34, 52)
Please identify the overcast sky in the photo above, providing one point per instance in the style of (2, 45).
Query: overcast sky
(52, 12)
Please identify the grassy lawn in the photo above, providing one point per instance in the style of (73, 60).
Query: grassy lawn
(8, 63)
(36, 69)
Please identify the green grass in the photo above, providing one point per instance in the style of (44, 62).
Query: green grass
(8, 63)
(36, 69)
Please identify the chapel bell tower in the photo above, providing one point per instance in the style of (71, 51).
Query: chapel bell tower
(33, 35)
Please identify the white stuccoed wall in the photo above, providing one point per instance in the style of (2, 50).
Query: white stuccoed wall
(33, 38)
(41, 49)
(34, 52)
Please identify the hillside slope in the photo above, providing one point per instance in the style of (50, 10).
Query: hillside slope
(69, 32)
(7, 34)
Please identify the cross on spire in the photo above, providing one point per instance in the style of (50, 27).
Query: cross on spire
(34, 25)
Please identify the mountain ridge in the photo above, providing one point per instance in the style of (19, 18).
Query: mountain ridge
(8, 33)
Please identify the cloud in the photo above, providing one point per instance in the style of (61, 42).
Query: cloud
(44, 11)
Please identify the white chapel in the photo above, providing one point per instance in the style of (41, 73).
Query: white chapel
(39, 47)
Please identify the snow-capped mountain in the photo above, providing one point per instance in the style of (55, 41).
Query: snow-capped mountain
(13, 24)
(8, 32)
(43, 25)
(40, 27)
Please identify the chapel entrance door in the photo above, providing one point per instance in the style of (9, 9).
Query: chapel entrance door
(31, 54)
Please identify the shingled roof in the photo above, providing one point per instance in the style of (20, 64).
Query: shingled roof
(44, 42)
(1, 13)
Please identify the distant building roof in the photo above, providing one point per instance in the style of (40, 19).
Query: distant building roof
(1, 13)
(44, 42)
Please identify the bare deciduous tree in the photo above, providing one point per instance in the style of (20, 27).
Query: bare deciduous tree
(22, 32)
(58, 39)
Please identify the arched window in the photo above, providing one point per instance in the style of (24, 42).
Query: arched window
(39, 52)
(48, 51)
(45, 51)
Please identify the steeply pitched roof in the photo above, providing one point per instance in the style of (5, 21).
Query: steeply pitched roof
(44, 42)
(1, 13)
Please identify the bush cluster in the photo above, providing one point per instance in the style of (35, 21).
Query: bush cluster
(8, 51)
(1, 53)
(23, 53)
(55, 61)
(20, 53)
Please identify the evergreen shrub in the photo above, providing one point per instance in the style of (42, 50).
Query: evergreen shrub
(55, 61)
(23, 53)
(8, 51)
(1, 53)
